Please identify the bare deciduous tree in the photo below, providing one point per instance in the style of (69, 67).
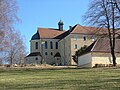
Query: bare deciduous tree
(8, 9)
(8, 17)
(15, 52)
(12, 47)
(117, 3)
(105, 14)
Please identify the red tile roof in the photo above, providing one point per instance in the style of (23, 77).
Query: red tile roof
(78, 29)
(49, 32)
(102, 45)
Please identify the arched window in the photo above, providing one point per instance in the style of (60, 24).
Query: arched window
(51, 53)
(36, 45)
(46, 53)
(46, 45)
(56, 45)
(36, 58)
(51, 45)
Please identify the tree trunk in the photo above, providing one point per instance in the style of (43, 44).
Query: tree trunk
(114, 58)
(113, 36)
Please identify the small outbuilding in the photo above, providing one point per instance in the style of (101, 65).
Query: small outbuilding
(99, 53)
(34, 58)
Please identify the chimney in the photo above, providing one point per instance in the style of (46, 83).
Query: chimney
(70, 28)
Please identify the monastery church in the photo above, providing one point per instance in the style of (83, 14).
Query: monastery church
(57, 46)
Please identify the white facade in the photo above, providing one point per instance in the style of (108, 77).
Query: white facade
(85, 60)
(65, 48)
(33, 60)
(92, 58)
(68, 43)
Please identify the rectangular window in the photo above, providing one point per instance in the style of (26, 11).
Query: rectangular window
(75, 46)
(75, 37)
(46, 45)
(36, 45)
(84, 38)
(93, 38)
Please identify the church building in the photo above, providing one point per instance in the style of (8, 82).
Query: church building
(57, 46)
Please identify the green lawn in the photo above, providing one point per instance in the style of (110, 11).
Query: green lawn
(65, 79)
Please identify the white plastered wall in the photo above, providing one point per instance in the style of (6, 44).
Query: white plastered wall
(32, 60)
(49, 59)
(80, 43)
(32, 46)
(104, 58)
(85, 60)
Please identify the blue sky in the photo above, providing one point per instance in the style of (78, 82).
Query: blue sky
(47, 13)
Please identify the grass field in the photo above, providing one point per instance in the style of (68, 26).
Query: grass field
(65, 79)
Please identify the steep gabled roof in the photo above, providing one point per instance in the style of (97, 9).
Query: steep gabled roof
(78, 29)
(49, 32)
(88, 49)
(102, 45)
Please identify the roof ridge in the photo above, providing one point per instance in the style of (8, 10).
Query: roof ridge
(50, 29)
(45, 28)
(94, 44)
(74, 27)
(62, 35)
